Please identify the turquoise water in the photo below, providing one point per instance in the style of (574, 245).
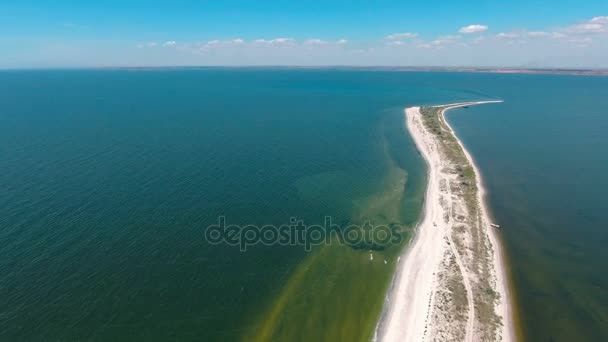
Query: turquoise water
(109, 178)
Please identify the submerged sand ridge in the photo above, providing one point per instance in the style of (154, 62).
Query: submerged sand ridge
(450, 284)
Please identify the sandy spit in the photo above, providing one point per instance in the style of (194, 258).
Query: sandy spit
(410, 299)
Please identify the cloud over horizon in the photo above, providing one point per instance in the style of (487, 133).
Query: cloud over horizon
(473, 29)
(582, 43)
(400, 36)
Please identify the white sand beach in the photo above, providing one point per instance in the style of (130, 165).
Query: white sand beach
(437, 293)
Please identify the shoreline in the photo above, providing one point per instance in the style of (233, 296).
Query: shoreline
(436, 256)
(500, 262)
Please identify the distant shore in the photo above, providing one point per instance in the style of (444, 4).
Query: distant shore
(450, 284)
(491, 70)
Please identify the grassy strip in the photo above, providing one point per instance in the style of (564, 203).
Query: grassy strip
(466, 188)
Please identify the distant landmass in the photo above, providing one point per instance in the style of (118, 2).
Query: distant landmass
(599, 72)
(495, 70)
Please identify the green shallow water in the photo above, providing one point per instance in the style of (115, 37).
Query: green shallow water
(110, 178)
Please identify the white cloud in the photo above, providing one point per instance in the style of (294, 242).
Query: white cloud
(275, 41)
(522, 34)
(600, 20)
(593, 25)
(476, 28)
(315, 42)
(440, 42)
(403, 35)
(572, 33)
(283, 41)
(542, 46)
(212, 44)
(586, 28)
(446, 40)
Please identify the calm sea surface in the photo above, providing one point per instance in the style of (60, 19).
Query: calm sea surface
(544, 157)
(109, 178)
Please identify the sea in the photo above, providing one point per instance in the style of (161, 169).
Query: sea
(115, 183)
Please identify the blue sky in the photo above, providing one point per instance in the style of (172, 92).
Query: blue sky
(63, 33)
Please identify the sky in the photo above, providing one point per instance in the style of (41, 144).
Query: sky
(482, 33)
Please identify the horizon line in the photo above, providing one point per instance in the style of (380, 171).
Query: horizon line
(308, 66)
(591, 71)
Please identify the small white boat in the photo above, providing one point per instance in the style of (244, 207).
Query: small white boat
(495, 225)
